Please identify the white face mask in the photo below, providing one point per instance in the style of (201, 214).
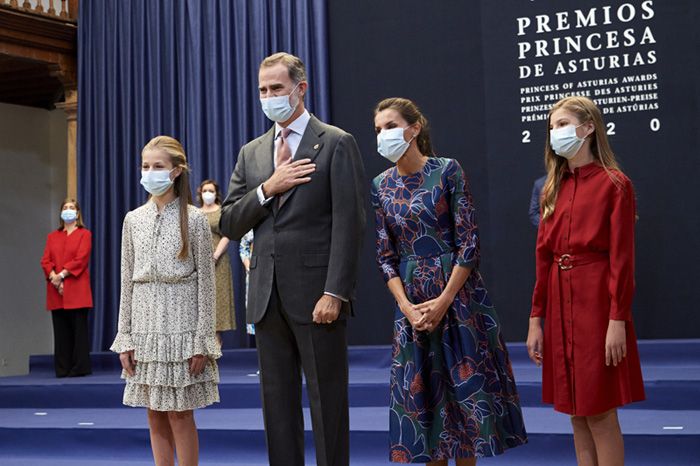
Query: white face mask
(156, 182)
(565, 142)
(279, 108)
(208, 197)
(391, 144)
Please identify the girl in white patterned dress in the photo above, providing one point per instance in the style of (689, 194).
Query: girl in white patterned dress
(166, 337)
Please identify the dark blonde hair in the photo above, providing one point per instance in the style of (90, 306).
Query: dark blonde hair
(174, 149)
(216, 189)
(585, 111)
(295, 67)
(410, 112)
(79, 218)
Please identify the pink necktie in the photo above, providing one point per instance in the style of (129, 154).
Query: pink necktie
(284, 152)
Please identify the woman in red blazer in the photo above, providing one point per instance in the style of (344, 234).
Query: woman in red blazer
(68, 294)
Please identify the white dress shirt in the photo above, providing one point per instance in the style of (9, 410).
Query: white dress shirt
(297, 128)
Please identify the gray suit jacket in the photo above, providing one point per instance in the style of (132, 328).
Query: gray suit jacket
(311, 244)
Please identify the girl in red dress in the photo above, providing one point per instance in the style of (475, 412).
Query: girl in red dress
(585, 283)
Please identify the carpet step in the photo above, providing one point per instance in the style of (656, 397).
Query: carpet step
(236, 436)
(242, 390)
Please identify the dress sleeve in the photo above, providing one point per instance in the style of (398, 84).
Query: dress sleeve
(205, 335)
(123, 341)
(387, 257)
(76, 265)
(47, 263)
(466, 232)
(543, 262)
(621, 281)
(244, 248)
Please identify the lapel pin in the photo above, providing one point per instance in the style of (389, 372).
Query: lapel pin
(316, 146)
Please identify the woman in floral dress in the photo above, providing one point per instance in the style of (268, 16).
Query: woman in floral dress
(453, 394)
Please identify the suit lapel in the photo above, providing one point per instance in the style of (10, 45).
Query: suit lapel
(311, 142)
(309, 147)
(265, 153)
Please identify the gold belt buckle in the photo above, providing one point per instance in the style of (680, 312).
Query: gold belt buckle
(565, 262)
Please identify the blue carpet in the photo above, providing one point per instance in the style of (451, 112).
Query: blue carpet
(80, 421)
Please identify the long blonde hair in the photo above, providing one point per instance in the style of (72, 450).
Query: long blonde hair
(585, 110)
(174, 149)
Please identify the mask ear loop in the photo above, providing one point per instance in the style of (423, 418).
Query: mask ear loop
(414, 136)
(292, 92)
(586, 136)
(183, 169)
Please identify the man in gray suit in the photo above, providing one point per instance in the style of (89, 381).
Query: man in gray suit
(300, 187)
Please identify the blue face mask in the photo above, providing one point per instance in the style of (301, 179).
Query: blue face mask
(279, 108)
(69, 215)
(565, 142)
(156, 182)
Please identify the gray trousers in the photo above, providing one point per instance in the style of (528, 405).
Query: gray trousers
(284, 349)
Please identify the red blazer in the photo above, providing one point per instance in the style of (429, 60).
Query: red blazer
(70, 252)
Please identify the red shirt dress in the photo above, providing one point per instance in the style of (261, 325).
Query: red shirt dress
(585, 277)
(70, 252)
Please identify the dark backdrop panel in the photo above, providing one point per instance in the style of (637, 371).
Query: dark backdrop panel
(656, 144)
(459, 62)
(431, 54)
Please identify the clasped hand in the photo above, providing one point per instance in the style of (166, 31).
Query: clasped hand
(427, 316)
(55, 279)
(288, 175)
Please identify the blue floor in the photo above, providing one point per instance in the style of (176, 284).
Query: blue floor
(81, 421)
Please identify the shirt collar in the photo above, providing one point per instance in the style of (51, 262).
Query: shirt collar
(169, 206)
(584, 171)
(298, 126)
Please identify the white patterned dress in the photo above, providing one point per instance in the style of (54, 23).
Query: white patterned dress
(167, 309)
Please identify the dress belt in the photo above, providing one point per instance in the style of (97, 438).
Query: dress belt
(569, 261)
(427, 256)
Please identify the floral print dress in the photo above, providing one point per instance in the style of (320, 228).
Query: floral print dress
(245, 250)
(453, 394)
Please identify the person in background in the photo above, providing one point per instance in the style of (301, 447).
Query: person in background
(166, 337)
(245, 249)
(209, 198)
(585, 283)
(68, 294)
(535, 201)
(453, 394)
